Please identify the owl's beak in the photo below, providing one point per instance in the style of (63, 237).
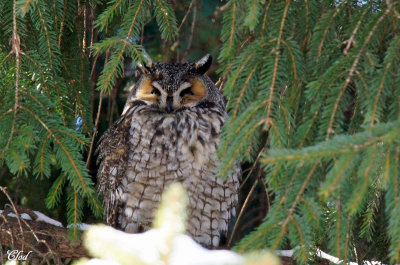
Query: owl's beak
(169, 106)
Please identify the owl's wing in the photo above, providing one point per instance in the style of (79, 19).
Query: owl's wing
(113, 153)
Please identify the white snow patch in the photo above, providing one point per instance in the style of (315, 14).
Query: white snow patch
(324, 255)
(285, 253)
(40, 217)
(187, 252)
(331, 258)
(44, 218)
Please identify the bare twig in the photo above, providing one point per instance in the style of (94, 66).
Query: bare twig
(46, 240)
(186, 16)
(96, 125)
(241, 212)
(62, 23)
(254, 166)
(266, 192)
(15, 49)
(191, 28)
(350, 41)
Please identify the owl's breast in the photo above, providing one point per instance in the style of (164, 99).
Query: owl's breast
(166, 148)
(176, 141)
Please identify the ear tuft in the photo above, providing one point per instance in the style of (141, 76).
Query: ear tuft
(141, 68)
(203, 64)
(146, 66)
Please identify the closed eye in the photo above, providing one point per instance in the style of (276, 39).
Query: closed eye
(155, 91)
(187, 91)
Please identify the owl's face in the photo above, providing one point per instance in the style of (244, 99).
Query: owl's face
(172, 88)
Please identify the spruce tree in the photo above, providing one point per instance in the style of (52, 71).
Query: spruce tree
(313, 95)
(314, 92)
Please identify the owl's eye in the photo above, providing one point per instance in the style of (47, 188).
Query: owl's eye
(193, 92)
(187, 91)
(155, 91)
(147, 91)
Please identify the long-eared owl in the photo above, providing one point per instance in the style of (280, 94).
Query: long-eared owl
(168, 132)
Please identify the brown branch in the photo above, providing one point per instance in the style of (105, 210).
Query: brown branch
(96, 125)
(48, 242)
(47, 236)
(241, 211)
(186, 16)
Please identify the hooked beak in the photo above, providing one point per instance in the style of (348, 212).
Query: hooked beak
(169, 107)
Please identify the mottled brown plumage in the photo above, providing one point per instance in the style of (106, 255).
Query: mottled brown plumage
(168, 132)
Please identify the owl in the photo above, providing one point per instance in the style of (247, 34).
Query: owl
(168, 132)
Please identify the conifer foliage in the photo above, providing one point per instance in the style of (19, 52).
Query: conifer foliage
(314, 92)
(45, 91)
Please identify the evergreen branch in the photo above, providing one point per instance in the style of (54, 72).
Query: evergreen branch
(317, 108)
(302, 240)
(338, 226)
(47, 34)
(365, 171)
(350, 41)
(277, 53)
(39, 67)
(135, 17)
(228, 165)
(78, 99)
(73, 207)
(229, 49)
(106, 16)
(311, 210)
(337, 145)
(329, 24)
(378, 94)
(293, 207)
(289, 187)
(16, 49)
(166, 19)
(55, 191)
(110, 72)
(63, 147)
(392, 200)
(307, 22)
(42, 159)
(249, 116)
(242, 92)
(5, 58)
(276, 130)
(25, 8)
(252, 17)
(340, 168)
(53, 55)
(82, 142)
(37, 101)
(352, 70)
(263, 27)
(5, 113)
(293, 59)
(60, 34)
(241, 68)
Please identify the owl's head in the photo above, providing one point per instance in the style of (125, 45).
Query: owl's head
(175, 87)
